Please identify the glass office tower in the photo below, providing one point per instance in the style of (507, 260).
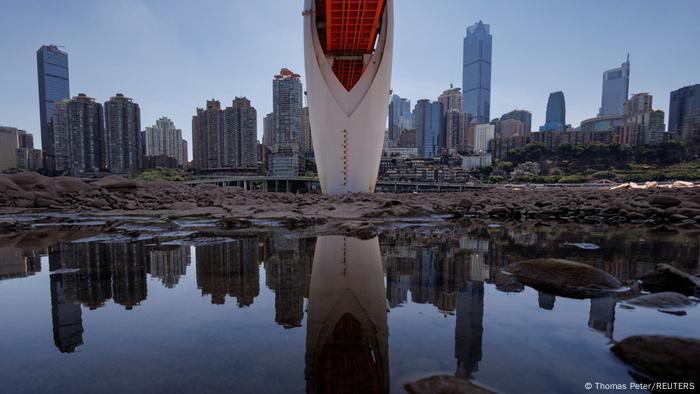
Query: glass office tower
(476, 72)
(52, 72)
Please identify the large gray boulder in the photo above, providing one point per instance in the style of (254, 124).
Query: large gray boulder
(668, 278)
(564, 278)
(661, 358)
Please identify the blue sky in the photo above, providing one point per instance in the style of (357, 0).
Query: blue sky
(171, 56)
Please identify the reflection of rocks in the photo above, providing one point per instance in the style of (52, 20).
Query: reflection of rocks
(545, 300)
(602, 315)
(444, 384)
(229, 268)
(65, 311)
(469, 328)
(668, 278)
(564, 277)
(347, 335)
(661, 358)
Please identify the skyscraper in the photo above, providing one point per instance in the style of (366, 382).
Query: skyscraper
(207, 135)
(267, 130)
(123, 135)
(399, 117)
(685, 102)
(52, 73)
(307, 146)
(427, 120)
(476, 72)
(643, 125)
(240, 134)
(556, 113)
(78, 127)
(286, 107)
(616, 85)
(522, 115)
(452, 108)
(483, 133)
(287, 103)
(164, 139)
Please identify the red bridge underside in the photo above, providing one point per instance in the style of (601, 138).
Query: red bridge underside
(347, 30)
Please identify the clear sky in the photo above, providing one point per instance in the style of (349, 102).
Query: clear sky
(171, 56)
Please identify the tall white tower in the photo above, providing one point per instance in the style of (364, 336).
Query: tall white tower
(348, 75)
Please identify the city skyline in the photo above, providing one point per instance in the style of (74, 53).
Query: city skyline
(523, 73)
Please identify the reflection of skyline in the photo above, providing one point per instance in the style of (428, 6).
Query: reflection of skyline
(347, 335)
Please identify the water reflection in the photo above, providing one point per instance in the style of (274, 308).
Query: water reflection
(347, 333)
(454, 272)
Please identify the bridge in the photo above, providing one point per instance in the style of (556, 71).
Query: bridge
(307, 184)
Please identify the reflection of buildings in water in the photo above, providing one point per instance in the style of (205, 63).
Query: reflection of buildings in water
(546, 300)
(469, 328)
(65, 311)
(347, 336)
(19, 263)
(602, 315)
(229, 268)
(169, 264)
(287, 273)
(129, 282)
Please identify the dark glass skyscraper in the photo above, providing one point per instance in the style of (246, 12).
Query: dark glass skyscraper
(684, 102)
(476, 72)
(427, 120)
(556, 113)
(52, 73)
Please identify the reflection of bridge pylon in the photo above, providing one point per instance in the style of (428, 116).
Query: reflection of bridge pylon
(348, 51)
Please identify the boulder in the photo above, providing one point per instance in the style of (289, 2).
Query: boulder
(33, 182)
(116, 182)
(68, 184)
(668, 278)
(564, 277)
(444, 384)
(663, 300)
(13, 191)
(664, 201)
(661, 358)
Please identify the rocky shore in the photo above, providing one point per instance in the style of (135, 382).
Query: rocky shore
(31, 192)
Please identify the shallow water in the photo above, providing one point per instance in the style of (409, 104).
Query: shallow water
(283, 312)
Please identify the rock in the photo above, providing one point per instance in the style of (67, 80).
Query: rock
(43, 203)
(68, 184)
(116, 182)
(12, 191)
(635, 216)
(33, 182)
(444, 384)
(663, 300)
(664, 201)
(183, 205)
(564, 277)
(682, 184)
(234, 222)
(661, 358)
(362, 230)
(668, 278)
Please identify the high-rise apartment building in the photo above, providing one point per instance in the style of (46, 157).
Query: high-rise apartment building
(456, 126)
(427, 120)
(616, 86)
(286, 158)
(122, 138)
(307, 146)
(165, 139)
(240, 134)
(684, 105)
(522, 115)
(476, 72)
(400, 118)
(267, 129)
(511, 128)
(452, 107)
(451, 99)
(79, 141)
(643, 125)
(207, 136)
(52, 74)
(556, 113)
(483, 134)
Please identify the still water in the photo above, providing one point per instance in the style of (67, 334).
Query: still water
(277, 311)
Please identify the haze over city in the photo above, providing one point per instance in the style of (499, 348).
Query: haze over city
(173, 56)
